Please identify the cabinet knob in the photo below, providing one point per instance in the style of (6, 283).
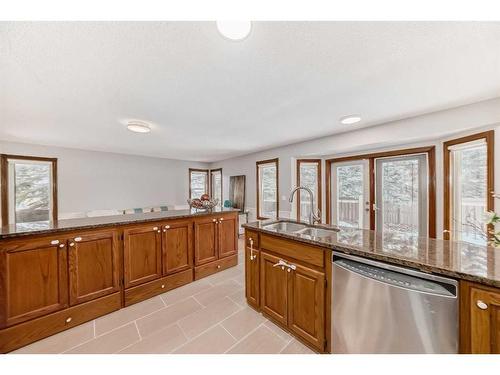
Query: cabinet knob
(159, 231)
(221, 219)
(78, 239)
(214, 220)
(163, 286)
(54, 242)
(69, 319)
(61, 245)
(167, 226)
(218, 266)
(71, 244)
(288, 270)
(155, 228)
(482, 305)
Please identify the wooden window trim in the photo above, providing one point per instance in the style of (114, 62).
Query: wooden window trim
(268, 161)
(431, 160)
(4, 188)
(489, 137)
(221, 184)
(318, 182)
(207, 184)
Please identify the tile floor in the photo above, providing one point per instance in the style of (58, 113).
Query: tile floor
(207, 316)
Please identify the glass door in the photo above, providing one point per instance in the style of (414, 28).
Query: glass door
(401, 194)
(351, 194)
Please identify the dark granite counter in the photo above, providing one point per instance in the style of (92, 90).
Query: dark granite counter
(448, 258)
(48, 227)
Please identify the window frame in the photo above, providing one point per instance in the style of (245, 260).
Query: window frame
(318, 182)
(431, 188)
(4, 183)
(489, 137)
(257, 164)
(207, 183)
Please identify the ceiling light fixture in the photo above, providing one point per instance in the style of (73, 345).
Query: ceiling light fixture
(138, 126)
(350, 119)
(234, 30)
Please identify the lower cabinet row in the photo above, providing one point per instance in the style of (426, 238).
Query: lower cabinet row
(44, 275)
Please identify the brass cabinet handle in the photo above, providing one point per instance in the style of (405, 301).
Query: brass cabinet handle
(163, 286)
(54, 242)
(214, 220)
(221, 219)
(78, 239)
(218, 266)
(61, 245)
(71, 244)
(252, 256)
(69, 319)
(155, 228)
(167, 226)
(482, 305)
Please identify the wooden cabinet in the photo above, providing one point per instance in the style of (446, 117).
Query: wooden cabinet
(205, 234)
(94, 265)
(294, 296)
(177, 243)
(479, 319)
(306, 301)
(142, 254)
(252, 272)
(227, 236)
(33, 278)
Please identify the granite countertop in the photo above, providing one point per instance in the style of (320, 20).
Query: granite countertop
(47, 227)
(460, 260)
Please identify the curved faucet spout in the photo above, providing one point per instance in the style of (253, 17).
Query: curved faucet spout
(313, 216)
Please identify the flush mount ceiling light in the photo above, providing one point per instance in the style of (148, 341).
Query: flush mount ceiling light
(234, 30)
(350, 119)
(138, 126)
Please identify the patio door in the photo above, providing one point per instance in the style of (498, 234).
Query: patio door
(401, 199)
(351, 194)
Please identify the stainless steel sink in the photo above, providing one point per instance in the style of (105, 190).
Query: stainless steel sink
(317, 232)
(285, 226)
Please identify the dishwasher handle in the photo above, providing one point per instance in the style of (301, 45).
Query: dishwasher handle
(397, 279)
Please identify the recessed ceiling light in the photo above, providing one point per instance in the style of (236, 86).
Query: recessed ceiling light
(350, 119)
(138, 126)
(234, 30)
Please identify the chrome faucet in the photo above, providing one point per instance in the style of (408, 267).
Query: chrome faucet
(314, 217)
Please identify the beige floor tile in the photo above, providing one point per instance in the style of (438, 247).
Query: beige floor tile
(167, 316)
(239, 298)
(225, 275)
(214, 341)
(243, 322)
(261, 341)
(162, 341)
(61, 341)
(217, 292)
(296, 347)
(128, 314)
(110, 342)
(240, 279)
(279, 331)
(214, 313)
(185, 291)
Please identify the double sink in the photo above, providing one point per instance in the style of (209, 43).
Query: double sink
(291, 227)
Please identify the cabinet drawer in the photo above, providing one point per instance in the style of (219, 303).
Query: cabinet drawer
(213, 267)
(153, 288)
(296, 250)
(25, 333)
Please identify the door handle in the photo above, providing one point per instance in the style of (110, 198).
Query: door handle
(281, 263)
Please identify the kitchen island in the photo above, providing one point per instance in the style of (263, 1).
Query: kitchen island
(307, 266)
(57, 275)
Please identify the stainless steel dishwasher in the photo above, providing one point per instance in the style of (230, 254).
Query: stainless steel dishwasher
(381, 308)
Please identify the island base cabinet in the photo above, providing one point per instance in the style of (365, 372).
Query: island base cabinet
(479, 319)
(293, 295)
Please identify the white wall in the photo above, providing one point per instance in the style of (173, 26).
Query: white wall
(89, 180)
(425, 130)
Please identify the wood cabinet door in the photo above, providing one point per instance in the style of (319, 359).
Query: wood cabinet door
(205, 240)
(228, 236)
(93, 265)
(252, 277)
(142, 254)
(273, 288)
(484, 309)
(306, 304)
(33, 279)
(177, 246)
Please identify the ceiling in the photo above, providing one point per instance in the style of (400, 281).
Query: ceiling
(72, 83)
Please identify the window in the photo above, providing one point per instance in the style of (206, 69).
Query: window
(468, 184)
(198, 183)
(29, 189)
(267, 189)
(216, 185)
(308, 175)
(206, 181)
